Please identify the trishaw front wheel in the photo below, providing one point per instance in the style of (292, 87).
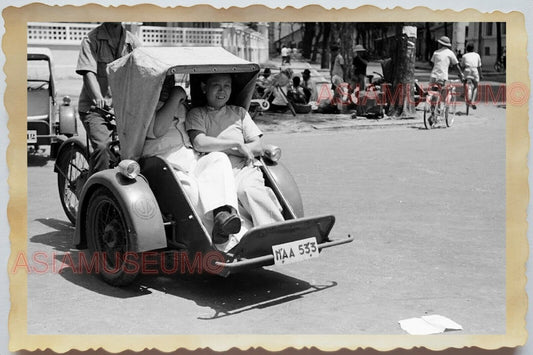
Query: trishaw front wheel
(109, 239)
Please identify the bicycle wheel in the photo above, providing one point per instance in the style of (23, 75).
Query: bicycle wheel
(429, 116)
(72, 172)
(468, 96)
(449, 111)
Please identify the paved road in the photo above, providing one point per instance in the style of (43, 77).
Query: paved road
(426, 209)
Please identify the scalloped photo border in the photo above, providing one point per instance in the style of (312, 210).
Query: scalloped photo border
(517, 145)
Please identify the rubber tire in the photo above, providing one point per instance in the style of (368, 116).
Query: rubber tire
(427, 115)
(105, 217)
(67, 159)
(449, 112)
(468, 96)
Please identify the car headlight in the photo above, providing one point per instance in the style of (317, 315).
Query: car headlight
(272, 152)
(129, 168)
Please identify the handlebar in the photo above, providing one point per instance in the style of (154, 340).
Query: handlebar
(106, 112)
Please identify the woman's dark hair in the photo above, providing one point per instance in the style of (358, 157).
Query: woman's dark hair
(165, 89)
(470, 47)
(296, 81)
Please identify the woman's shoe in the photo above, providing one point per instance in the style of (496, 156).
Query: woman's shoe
(227, 223)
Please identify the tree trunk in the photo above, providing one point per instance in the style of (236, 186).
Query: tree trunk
(499, 48)
(307, 40)
(403, 61)
(429, 42)
(480, 39)
(279, 38)
(324, 60)
(317, 42)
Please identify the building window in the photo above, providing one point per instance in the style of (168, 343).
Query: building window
(466, 31)
(488, 30)
(487, 50)
(504, 25)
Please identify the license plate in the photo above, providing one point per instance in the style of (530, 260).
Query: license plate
(295, 251)
(32, 136)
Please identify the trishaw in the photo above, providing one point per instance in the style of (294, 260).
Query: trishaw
(47, 119)
(123, 212)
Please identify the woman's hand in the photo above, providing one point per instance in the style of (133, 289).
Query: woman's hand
(176, 96)
(246, 153)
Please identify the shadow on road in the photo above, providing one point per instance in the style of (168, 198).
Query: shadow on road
(38, 159)
(238, 293)
(254, 289)
(60, 239)
(77, 267)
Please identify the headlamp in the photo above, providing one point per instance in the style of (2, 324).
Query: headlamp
(272, 152)
(129, 168)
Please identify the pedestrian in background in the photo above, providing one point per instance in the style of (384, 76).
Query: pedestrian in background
(471, 64)
(263, 82)
(309, 86)
(337, 66)
(359, 64)
(338, 85)
(285, 55)
(104, 44)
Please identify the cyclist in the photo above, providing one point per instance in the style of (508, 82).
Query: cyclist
(104, 44)
(471, 63)
(442, 59)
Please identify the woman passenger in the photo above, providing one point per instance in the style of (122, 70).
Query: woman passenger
(218, 127)
(207, 179)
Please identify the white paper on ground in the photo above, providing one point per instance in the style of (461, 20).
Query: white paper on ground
(442, 321)
(426, 325)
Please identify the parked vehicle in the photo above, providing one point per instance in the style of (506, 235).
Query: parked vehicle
(47, 119)
(371, 101)
(140, 206)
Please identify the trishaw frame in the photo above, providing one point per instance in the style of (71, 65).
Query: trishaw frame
(155, 212)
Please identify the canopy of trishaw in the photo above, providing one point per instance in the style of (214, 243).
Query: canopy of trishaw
(137, 78)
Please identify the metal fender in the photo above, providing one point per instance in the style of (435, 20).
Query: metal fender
(286, 184)
(67, 143)
(67, 120)
(137, 202)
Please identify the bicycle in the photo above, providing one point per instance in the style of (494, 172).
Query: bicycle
(469, 92)
(433, 112)
(72, 164)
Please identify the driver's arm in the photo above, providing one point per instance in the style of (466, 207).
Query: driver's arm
(91, 83)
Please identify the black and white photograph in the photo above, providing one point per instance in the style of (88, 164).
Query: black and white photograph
(272, 179)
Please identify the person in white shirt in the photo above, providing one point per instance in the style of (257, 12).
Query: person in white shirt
(442, 59)
(285, 55)
(471, 63)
